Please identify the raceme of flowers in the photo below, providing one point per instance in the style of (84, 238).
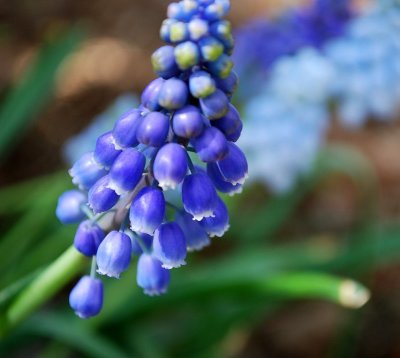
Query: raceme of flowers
(368, 66)
(286, 122)
(121, 205)
(260, 43)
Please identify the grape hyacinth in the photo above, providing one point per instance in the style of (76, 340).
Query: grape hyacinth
(286, 125)
(367, 58)
(287, 121)
(185, 115)
(264, 41)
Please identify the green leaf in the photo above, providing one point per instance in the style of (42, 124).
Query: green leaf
(31, 226)
(25, 100)
(21, 196)
(69, 331)
(49, 282)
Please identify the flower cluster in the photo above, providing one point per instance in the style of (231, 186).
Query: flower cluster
(287, 120)
(124, 183)
(260, 43)
(367, 59)
(285, 123)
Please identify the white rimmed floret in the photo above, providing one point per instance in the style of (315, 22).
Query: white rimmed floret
(219, 233)
(204, 214)
(199, 245)
(237, 190)
(175, 264)
(114, 186)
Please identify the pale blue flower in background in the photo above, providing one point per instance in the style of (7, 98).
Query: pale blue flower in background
(368, 61)
(85, 140)
(286, 123)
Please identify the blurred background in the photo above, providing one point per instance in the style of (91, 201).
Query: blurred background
(315, 232)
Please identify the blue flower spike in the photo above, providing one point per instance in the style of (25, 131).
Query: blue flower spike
(184, 114)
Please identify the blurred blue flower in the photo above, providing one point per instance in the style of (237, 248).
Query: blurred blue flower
(85, 141)
(286, 122)
(260, 43)
(367, 59)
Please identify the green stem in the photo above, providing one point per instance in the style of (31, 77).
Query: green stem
(48, 283)
(85, 209)
(93, 268)
(190, 164)
(17, 286)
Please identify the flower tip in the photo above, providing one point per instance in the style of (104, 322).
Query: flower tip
(116, 188)
(239, 190)
(154, 292)
(108, 274)
(353, 295)
(221, 232)
(171, 265)
(199, 247)
(204, 214)
(240, 181)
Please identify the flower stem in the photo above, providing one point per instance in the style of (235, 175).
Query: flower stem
(47, 284)
(190, 163)
(87, 211)
(93, 267)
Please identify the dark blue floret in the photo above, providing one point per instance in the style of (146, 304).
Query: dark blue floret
(173, 94)
(88, 238)
(101, 197)
(169, 245)
(86, 171)
(127, 171)
(86, 298)
(69, 206)
(151, 276)
(217, 224)
(220, 182)
(199, 196)
(147, 210)
(188, 122)
(163, 61)
(215, 105)
(153, 129)
(211, 145)
(170, 166)
(114, 254)
(150, 94)
(234, 166)
(196, 237)
(124, 131)
(106, 150)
